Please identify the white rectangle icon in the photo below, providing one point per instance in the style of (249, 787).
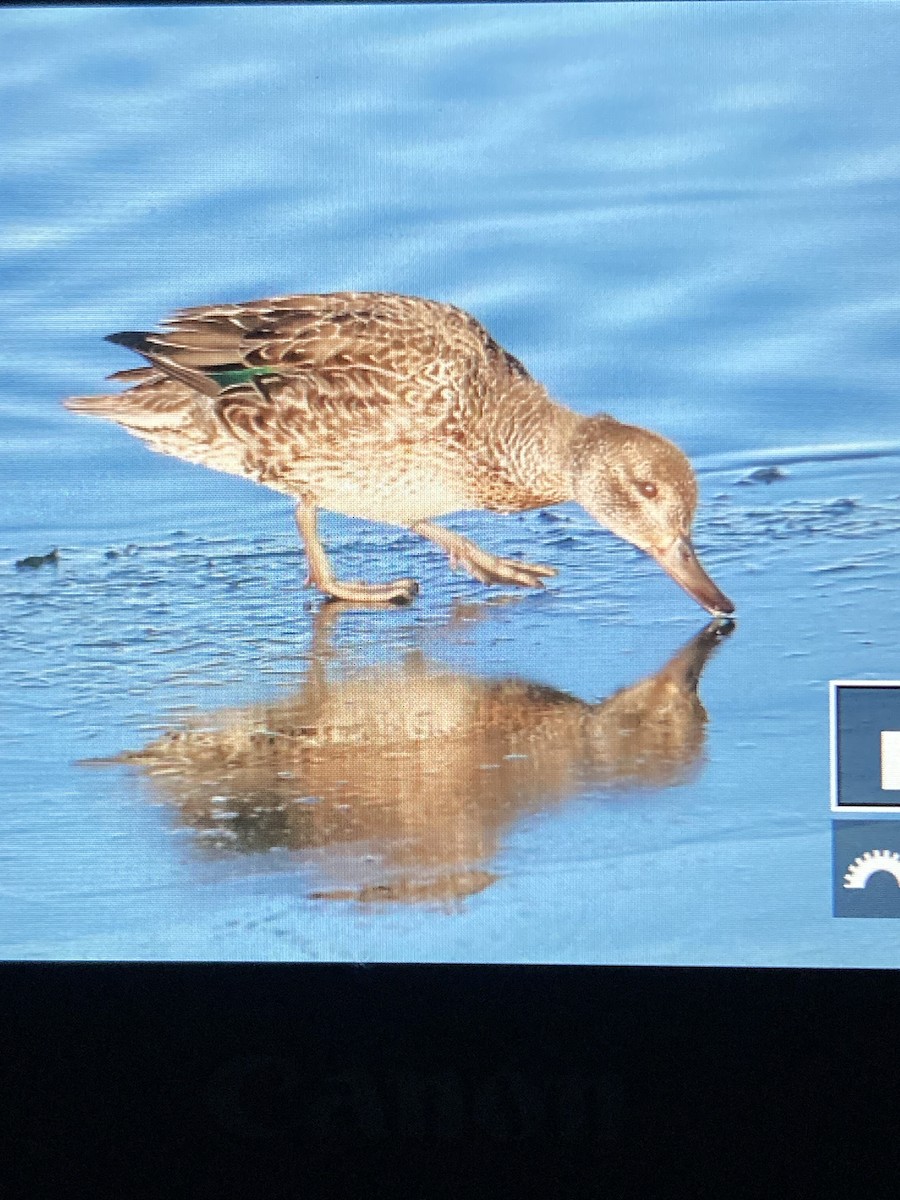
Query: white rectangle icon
(890, 760)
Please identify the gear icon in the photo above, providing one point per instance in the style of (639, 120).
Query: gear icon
(863, 868)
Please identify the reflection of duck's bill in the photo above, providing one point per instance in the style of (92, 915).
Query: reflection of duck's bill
(681, 563)
(686, 667)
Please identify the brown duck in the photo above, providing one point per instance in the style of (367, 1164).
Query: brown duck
(397, 409)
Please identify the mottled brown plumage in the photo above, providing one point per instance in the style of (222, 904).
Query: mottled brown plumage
(396, 409)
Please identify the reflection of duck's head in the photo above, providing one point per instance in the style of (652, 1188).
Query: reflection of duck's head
(651, 734)
(642, 487)
(398, 781)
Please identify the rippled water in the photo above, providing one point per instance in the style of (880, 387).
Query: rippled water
(683, 214)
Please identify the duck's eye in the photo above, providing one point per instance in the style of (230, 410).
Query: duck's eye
(648, 489)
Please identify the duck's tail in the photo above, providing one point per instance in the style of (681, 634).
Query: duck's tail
(119, 407)
(95, 406)
(137, 408)
(168, 418)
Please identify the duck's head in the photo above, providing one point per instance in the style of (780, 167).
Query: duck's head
(642, 488)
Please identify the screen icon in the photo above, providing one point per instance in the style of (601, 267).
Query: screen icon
(865, 746)
(869, 863)
(866, 868)
(890, 760)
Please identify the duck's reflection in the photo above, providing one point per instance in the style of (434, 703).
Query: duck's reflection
(397, 782)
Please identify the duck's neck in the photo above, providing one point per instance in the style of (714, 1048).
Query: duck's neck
(539, 441)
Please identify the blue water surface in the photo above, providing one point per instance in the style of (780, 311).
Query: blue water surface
(682, 214)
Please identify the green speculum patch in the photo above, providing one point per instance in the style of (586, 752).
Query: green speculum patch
(229, 376)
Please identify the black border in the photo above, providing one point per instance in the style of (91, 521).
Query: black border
(220, 1075)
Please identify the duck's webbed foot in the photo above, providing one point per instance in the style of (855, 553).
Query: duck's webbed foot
(486, 567)
(321, 576)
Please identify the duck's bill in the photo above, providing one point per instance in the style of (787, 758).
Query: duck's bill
(681, 563)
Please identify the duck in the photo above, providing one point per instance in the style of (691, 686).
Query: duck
(397, 409)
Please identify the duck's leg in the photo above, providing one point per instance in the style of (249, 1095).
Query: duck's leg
(398, 591)
(488, 568)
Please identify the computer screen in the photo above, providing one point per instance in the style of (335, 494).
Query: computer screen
(486, 549)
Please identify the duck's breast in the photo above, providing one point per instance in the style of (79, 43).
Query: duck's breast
(398, 484)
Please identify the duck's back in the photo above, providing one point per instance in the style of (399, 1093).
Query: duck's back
(378, 405)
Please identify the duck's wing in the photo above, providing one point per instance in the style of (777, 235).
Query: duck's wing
(344, 354)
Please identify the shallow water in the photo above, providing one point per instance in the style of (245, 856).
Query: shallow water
(683, 214)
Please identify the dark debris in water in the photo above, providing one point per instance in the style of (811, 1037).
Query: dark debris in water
(38, 560)
(764, 475)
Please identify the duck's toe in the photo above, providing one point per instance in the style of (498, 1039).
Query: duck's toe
(406, 590)
(511, 570)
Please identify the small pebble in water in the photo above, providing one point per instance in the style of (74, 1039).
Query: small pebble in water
(38, 560)
(764, 475)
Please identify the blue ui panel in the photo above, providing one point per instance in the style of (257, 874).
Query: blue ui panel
(866, 857)
(865, 746)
